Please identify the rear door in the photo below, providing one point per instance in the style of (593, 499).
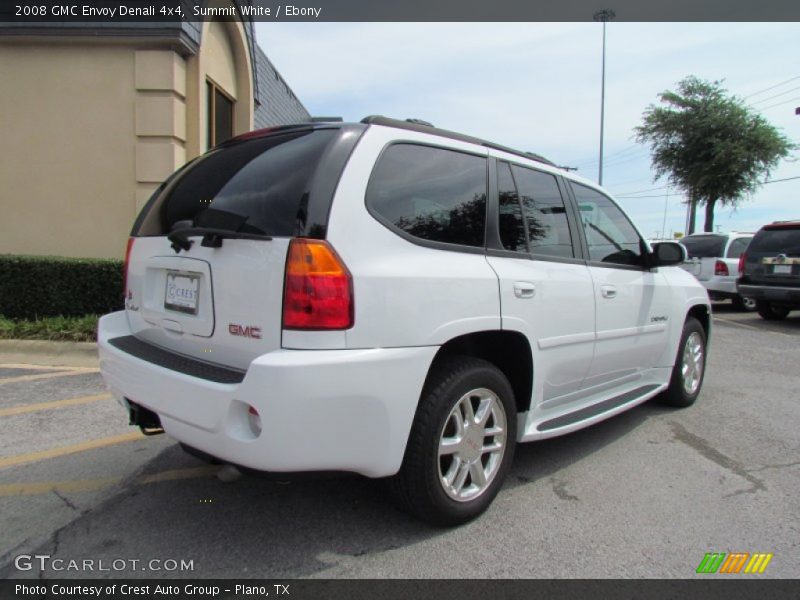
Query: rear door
(220, 299)
(545, 288)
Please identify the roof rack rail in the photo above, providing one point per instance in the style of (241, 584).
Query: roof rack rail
(425, 127)
(420, 122)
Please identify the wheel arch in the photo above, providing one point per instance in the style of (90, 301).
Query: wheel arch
(509, 351)
(702, 313)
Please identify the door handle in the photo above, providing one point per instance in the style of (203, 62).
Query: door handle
(524, 289)
(608, 291)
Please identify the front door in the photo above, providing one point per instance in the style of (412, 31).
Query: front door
(631, 301)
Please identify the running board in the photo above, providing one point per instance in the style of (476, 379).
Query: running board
(596, 409)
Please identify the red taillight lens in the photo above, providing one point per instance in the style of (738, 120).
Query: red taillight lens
(742, 260)
(720, 268)
(128, 249)
(318, 289)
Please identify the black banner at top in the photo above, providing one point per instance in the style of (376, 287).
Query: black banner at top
(33, 13)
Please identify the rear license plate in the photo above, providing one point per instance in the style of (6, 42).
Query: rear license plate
(782, 269)
(182, 292)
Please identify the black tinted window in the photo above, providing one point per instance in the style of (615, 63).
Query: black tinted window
(545, 215)
(257, 186)
(512, 225)
(777, 241)
(431, 193)
(609, 233)
(704, 246)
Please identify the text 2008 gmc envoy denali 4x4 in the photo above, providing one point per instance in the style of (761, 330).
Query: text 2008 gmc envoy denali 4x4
(392, 299)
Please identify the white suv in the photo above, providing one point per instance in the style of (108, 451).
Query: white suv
(392, 299)
(714, 260)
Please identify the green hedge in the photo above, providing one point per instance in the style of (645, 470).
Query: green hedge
(71, 329)
(32, 287)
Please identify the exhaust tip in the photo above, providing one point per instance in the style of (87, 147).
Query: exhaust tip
(228, 474)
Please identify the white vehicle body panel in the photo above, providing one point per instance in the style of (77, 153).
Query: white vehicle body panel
(236, 278)
(321, 410)
(558, 320)
(406, 294)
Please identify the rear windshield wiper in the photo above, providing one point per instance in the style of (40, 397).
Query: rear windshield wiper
(212, 237)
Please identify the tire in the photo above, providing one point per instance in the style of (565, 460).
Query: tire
(770, 312)
(744, 303)
(690, 367)
(421, 487)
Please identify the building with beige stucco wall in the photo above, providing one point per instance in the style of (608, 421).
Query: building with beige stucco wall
(95, 118)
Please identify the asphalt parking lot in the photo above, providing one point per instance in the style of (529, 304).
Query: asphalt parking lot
(645, 494)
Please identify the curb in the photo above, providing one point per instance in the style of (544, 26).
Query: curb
(43, 352)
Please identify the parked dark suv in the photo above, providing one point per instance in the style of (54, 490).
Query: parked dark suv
(770, 270)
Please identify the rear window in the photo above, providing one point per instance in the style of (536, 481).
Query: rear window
(704, 246)
(433, 194)
(784, 240)
(257, 186)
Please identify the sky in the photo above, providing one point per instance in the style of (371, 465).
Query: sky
(536, 87)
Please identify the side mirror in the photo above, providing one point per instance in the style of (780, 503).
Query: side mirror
(666, 254)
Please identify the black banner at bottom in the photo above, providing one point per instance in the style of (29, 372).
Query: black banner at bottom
(413, 589)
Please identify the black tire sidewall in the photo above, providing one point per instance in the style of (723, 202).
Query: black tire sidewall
(676, 395)
(478, 374)
(770, 312)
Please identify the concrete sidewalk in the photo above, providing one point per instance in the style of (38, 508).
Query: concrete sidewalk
(55, 354)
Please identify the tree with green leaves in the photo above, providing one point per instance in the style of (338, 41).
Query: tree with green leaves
(710, 145)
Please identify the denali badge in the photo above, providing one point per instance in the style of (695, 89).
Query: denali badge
(658, 319)
(249, 331)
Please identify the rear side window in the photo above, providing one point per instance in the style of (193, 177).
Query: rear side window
(737, 246)
(433, 194)
(257, 186)
(704, 246)
(511, 222)
(545, 214)
(784, 240)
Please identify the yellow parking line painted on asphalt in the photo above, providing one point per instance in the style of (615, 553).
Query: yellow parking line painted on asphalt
(37, 406)
(90, 485)
(69, 373)
(20, 459)
(35, 367)
(46, 487)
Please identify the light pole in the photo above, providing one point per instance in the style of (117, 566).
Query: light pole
(603, 16)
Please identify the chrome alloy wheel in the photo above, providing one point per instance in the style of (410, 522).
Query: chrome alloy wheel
(692, 365)
(472, 444)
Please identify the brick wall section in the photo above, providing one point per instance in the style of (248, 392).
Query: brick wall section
(276, 103)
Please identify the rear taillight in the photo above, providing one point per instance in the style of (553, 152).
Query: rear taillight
(318, 289)
(742, 260)
(720, 268)
(128, 249)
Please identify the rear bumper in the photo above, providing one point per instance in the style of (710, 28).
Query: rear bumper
(781, 295)
(722, 287)
(321, 410)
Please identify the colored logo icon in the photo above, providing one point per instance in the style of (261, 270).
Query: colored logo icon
(734, 563)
